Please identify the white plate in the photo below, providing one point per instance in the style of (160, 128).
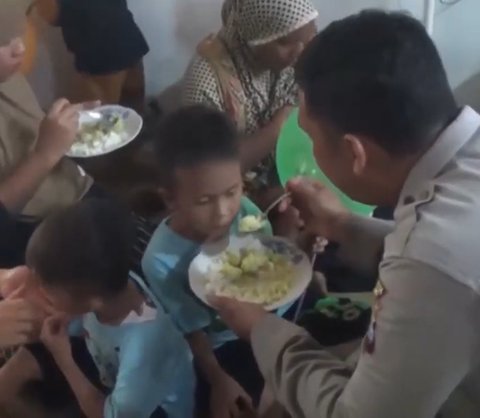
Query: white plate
(133, 123)
(210, 254)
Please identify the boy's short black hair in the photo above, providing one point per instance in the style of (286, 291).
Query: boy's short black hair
(84, 248)
(378, 74)
(193, 135)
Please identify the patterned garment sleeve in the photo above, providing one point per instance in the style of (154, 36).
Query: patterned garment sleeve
(200, 85)
(290, 89)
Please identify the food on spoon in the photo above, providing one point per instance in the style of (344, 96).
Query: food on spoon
(251, 223)
(251, 275)
(96, 137)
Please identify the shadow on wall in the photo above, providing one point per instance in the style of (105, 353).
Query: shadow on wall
(206, 21)
(194, 21)
(468, 93)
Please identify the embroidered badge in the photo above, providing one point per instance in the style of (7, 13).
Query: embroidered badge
(370, 338)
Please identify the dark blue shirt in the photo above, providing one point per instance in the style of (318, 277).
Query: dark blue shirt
(102, 35)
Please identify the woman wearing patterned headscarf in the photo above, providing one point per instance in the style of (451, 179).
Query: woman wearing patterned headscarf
(246, 70)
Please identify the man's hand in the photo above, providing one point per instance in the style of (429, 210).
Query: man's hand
(20, 322)
(320, 209)
(241, 317)
(287, 223)
(11, 57)
(55, 337)
(228, 399)
(59, 129)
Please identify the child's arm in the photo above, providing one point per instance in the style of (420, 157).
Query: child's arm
(227, 396)
(90, 399)
(56, 339)
(49, 10)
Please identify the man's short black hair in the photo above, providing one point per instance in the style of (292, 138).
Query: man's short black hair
(86, 248)
(193, 135)
(377, 74)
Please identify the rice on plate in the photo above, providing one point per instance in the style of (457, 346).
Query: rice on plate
(265, 270)
(116, 127)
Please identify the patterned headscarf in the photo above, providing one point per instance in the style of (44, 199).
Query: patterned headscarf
(248, 23)
(257, 22)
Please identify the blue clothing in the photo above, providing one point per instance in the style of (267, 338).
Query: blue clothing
(144, 361)
(165, 265)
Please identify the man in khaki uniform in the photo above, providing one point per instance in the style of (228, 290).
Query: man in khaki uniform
(386, 129)
(35, 178)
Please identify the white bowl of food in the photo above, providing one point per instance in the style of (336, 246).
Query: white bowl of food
(266, 270)
(104, 130)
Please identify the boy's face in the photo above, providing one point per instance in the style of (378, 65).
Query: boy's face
(67, 301)
(207, 197)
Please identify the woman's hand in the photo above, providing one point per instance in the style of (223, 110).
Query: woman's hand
(319, 208)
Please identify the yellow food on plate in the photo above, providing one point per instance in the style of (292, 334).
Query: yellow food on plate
(251, 223)
(251, 275)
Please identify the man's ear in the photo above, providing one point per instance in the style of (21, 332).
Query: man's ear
(167, 197)
(358, 153)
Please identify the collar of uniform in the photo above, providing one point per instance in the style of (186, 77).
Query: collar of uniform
(18, 93)
(452, 139)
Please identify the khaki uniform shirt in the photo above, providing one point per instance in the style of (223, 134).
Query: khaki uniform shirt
(426, 355)
(20, 116)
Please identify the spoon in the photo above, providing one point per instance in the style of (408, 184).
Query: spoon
(253, 223)
(284, 196)
(94, 115)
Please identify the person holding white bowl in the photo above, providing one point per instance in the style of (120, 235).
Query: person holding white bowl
(35, 178)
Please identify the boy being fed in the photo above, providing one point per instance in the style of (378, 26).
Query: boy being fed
(198, 154)
(80, 258)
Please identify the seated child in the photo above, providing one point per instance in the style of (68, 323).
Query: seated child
(80, 258)
(201, 182)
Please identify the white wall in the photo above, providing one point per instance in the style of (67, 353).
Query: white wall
(173, 27)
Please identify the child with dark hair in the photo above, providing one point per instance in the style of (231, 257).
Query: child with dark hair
(80, 259)
(201, 181)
